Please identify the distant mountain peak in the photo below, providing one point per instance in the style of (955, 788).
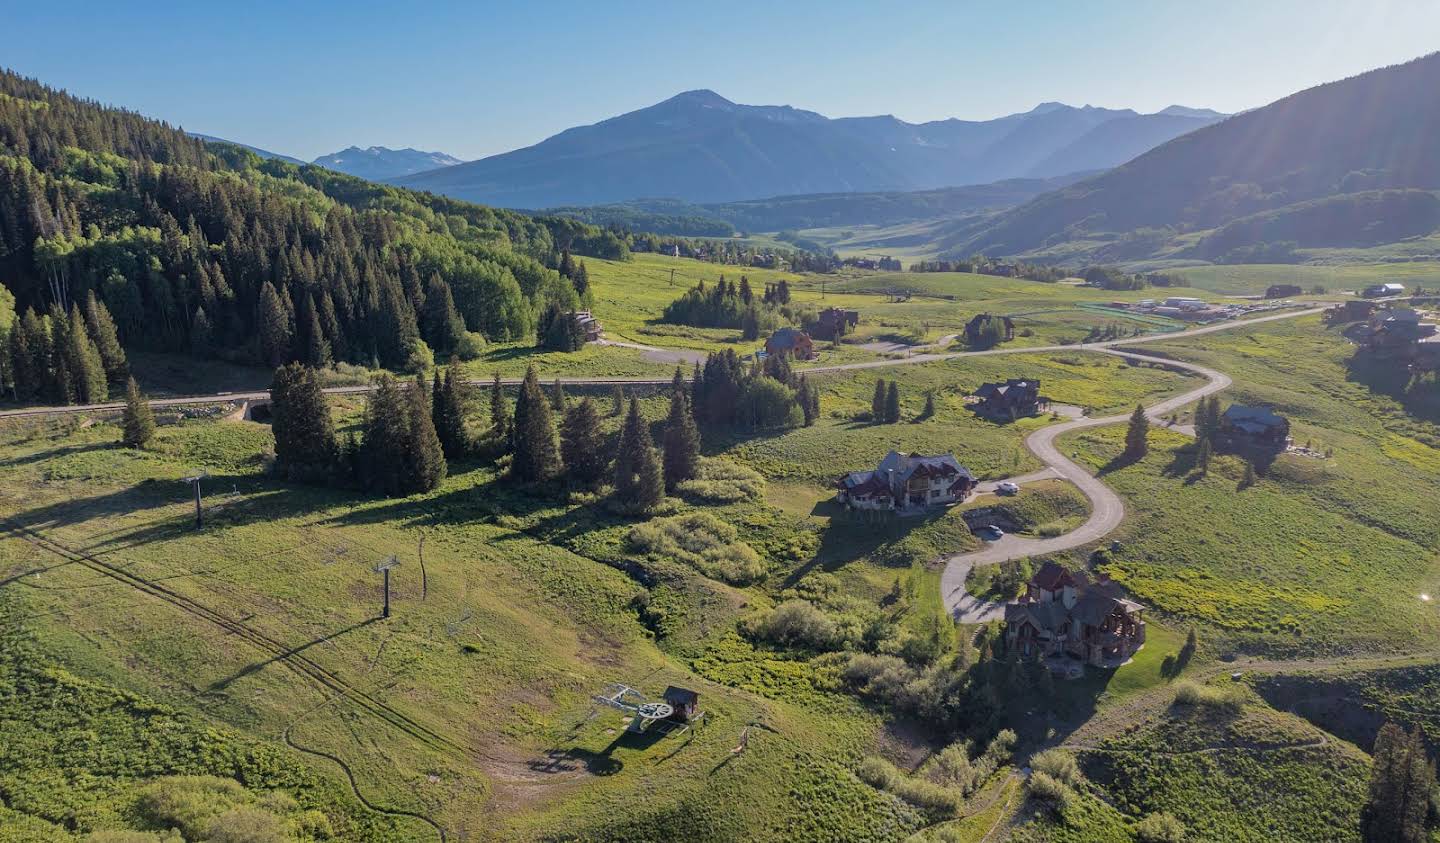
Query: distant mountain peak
(1047, 107)
(700, 96)
(381, 162)
(1186, 111)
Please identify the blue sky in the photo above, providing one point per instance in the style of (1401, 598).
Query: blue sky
(472, 79)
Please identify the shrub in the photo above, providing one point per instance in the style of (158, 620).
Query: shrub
(1050, 791)
(421, 358)
(951, 767)
(703, 542)
(1160, 827)
(722, 481)
(1058, 764)
(927, 796)
(877, 772)
(246, 825)
(190, 803)
(797, 623)
(1231, 698)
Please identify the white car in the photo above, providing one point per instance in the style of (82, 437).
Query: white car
(990, 534)
(1007, 488)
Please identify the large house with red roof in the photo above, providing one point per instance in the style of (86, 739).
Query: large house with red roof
(1067, 615)
(903, 482)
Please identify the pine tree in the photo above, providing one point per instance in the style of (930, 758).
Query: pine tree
(1401, 783)
(877, 403)
(83, 362)
(301, 423)
(448, 412)
(582, 444)
(537, 453)
(892, 403)
(138, 423)
(1137, 435)
(567, 264)
(202, 334)
(29, 356)
(581, 281)
(1203, 454)
(557, 397)
(681, 442)
(1249, 479)
(809, 397)
(101, 327)
(441, 324)
(639, 479)
(424, 460)
(317, 349)
(617, 400)
(385, 448)
(499, 411)
(274, 328)
(929, 404)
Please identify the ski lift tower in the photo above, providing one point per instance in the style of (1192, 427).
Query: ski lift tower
(195, 482)
(630, 701)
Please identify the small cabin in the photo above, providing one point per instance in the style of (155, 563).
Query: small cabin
(686, 703)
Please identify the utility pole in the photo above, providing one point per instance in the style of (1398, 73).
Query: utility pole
(384, 568)
(195, 482)
(672, 275)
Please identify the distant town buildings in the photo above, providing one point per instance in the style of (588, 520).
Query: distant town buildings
(1282, 291)
(903, 482)
(1375, 291)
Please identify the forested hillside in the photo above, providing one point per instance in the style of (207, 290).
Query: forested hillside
(208, 249)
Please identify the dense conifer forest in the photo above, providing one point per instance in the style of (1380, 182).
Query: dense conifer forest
(207, 249)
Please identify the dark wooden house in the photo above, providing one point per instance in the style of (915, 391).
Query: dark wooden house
(791, 341)
(1013, 399)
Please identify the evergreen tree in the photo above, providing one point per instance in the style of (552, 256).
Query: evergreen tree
(1203, 454)
(537, 453)
(385, 449)
(101, 326)
(499, 411)
(1137, 435)
(202, 334)
(83, 362)
(317, 349)
(442, 326)
(877, 402)
(892, 403)
(274, 328)
(1249, 479)
(447, 409)
(582, 444)
(29, 356)
(617, 400)
(681, 441)
(581, 281)
(424, 462)
(809, 397)
(567, 264)
(1402, 782)
(557, 397)
(1213, 416)
(639, 479)
(138, 423)
(301, 423)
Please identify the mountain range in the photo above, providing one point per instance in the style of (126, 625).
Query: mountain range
(1350, 164)
(700, 147)
(376, 163)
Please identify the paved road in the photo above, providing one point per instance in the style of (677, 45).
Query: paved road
(1106, 508)
(261, 395)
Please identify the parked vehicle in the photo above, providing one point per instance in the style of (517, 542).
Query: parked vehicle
(1008, 488)
(990, 534)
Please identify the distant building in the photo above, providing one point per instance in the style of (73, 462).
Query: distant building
(1282, 291)
(1258, 427)
(1375, 291)
(684, 703)
(791, 341)
(1351, 310)
(903, 482)
(975, 327)
(1392, 332)
(833, 322)
(1185, 303)
(589, 325)
(1011, 400)
(1066, 616)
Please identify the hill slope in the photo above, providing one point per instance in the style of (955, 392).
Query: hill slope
(378, 163)
(700, 147)
(1373, 132)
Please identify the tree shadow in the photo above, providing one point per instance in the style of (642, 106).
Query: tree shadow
(56, 453)
(1393, 379)
(853, 534)
(1119, 461)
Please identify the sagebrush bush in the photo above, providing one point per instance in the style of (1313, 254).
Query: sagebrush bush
(934, 799)
(1050, 790)
(796, 623)
(722, 481)
(702, 541)
(1058, 764)
(1160, 827)
(1230, 698)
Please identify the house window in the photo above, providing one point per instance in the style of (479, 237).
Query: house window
(934, 493)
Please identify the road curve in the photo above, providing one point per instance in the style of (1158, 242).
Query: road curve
(1106, 508)
(262, 395)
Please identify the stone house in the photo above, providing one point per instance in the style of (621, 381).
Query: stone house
(903, 482)
(1068, 616)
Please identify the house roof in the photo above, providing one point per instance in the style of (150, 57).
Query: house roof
(680, 696)
(1052, 576)
(1253, 418)
(905, 467)
(787, 338)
